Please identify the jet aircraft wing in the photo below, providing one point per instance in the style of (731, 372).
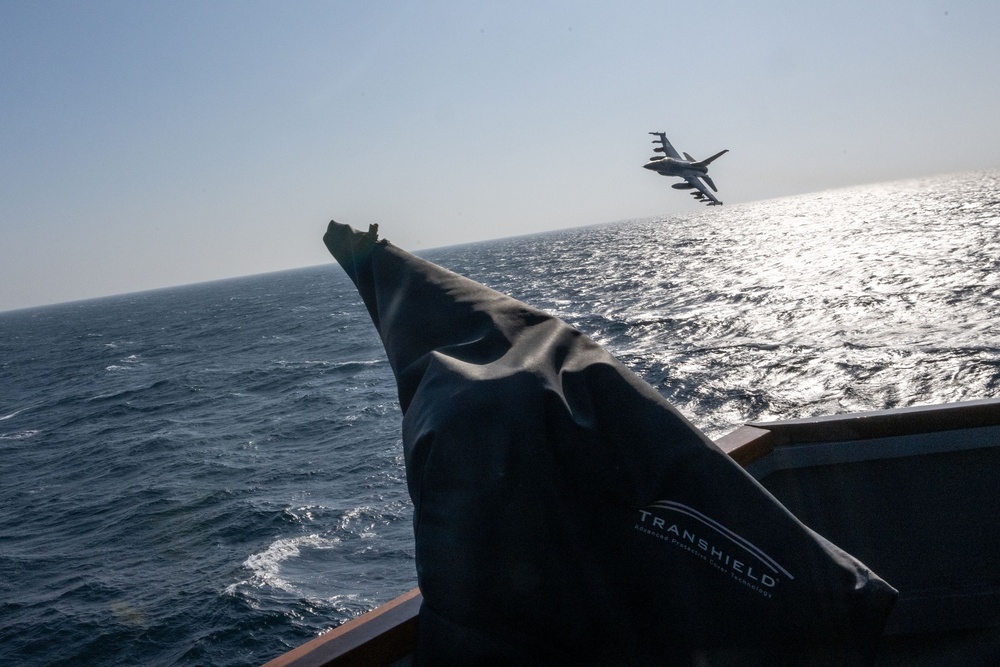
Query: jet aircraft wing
(666, 146)
(696, 182)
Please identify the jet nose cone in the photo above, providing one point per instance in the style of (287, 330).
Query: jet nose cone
(649, 165)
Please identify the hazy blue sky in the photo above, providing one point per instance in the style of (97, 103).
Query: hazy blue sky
(146, 144)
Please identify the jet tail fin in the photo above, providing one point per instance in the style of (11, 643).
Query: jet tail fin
(707, 161)
(707, 179)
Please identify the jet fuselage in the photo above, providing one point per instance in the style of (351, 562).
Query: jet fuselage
(668, 166)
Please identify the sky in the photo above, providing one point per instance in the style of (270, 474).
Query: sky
(159, 143)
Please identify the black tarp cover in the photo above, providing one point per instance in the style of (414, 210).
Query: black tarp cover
(566, 513)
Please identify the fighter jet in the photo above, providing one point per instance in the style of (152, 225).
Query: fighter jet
(692, 171)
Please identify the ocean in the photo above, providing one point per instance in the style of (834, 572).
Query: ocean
(213, 474)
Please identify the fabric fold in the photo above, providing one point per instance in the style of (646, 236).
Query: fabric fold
(564, 511)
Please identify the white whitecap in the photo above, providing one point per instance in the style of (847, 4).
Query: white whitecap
(13, 414)
(23, 435)
(267, 565)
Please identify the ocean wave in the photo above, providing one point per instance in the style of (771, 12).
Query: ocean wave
(21, 435)
(267, 566)
(12, 414)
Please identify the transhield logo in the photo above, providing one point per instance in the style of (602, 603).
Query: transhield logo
(688, 529)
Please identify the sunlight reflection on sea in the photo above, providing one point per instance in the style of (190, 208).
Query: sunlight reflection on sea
(857, 299)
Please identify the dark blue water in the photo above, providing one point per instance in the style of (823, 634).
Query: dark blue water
(213, 474)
